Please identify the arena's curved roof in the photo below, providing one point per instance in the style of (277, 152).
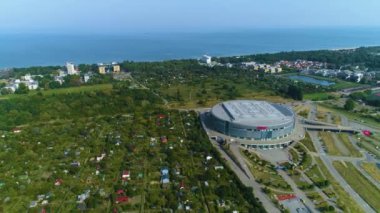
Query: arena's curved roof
(253, 113)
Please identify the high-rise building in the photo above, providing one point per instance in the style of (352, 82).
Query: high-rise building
(70, 68)
(115, 67)
(102, 69)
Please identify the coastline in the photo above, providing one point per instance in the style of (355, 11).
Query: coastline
(4, 69)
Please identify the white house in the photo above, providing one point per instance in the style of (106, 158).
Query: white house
(206, 59)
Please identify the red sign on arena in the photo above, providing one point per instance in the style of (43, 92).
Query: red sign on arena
(262, 128)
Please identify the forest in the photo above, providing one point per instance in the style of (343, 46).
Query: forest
(368, 57)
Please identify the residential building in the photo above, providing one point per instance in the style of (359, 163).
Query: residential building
(115, 67)
(102, 69)
(206, 59)
(71, 69)
(13, 85)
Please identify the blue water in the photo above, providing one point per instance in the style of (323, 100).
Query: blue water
(28, 50)
(311, 80)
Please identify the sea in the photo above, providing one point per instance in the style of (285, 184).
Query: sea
(23, 50)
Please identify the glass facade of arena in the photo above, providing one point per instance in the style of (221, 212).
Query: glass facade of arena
(250, 132)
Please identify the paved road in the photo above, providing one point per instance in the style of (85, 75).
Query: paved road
(369, 177)
(248, 180)
(297, 191)
(320, 192)
(328, 163)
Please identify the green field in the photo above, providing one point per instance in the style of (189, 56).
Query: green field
(308, 143)
(193, 96)
(319, 96)
(353, 116)
(329, 142)
(89, 88)
(372, 170)
(369, 192)
(343, 138)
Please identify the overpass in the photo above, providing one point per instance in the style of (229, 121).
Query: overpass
(331, 128)
(323, 126)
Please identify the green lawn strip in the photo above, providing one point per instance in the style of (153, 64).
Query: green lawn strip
(314, 174)
(319, 96)
(320, 203)
(329, 142)
(294, 155)
(305, 160)
(344, 201)
(369, 192)
(372, 170)
(343, 137)
(308, 143)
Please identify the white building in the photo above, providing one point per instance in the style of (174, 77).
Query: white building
(87, 77)
(71, 68)
(27, 77)
(206, 59)
(358, 76)
(249, 64)
(27, 80)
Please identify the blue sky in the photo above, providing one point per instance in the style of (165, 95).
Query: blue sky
(123, 16)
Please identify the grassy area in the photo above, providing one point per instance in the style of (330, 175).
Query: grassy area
(344, 201)
(372, 170)
(369, 192)
(352, 116)
(89, 88)
(302, 110)
(343, 137)
(294, 155)
(315, 174)
(328, 140)
(308, 143)
(336, 119)
(265, 173)
(319, 202)
(98, 87)
(319, 96)
(301, 182)
(370, 145)
(322, 114)
(190, 95)
(305, 160)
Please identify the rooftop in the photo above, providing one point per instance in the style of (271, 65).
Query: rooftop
(253, 112)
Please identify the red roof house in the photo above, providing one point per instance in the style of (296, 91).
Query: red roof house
(122, 199)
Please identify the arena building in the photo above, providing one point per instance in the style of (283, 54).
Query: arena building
(253, 122)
